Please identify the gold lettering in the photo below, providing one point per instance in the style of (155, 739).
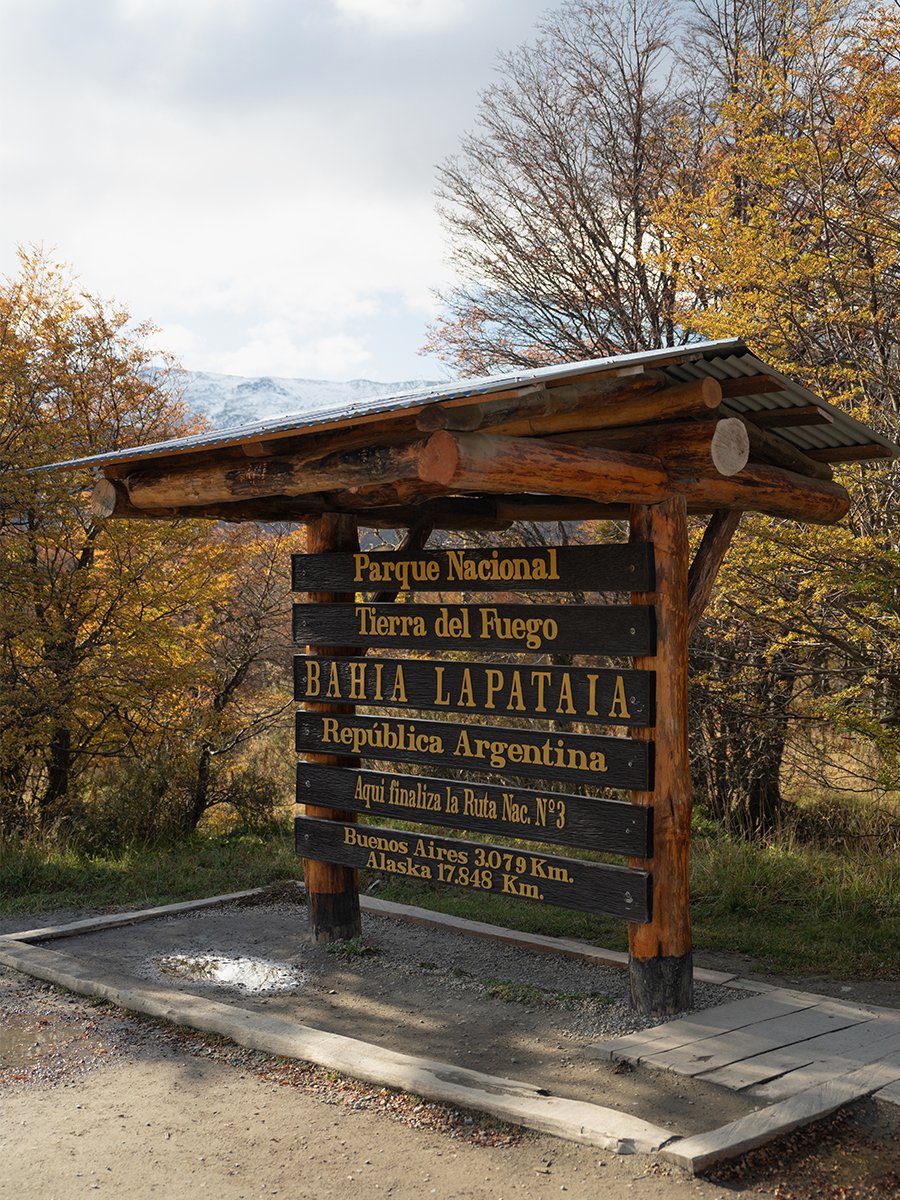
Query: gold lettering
(566, 701)
(357, 681)
(592, 696)
(313, 677)
(465, 692)
(540, 679)
(516, 699)
(398, 695)
(333, 691)
(619, 707)
(439, 696)
(493, 682)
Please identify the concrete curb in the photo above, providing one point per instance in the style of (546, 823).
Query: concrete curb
(695, 1153)
(508, 1099)
(535, 942)
(115, 920)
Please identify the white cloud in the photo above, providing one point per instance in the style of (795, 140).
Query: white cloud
(255, 177)
(406, 16)
(274, 348)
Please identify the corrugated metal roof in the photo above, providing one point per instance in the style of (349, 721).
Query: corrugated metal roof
(725, 359)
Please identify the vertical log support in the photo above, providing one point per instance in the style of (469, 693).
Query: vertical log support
(332, 891)
(660, 957)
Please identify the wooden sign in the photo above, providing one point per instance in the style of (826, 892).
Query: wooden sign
(503, 870)
(614, 826)
(516, 628)
(572, 757)
(608, 568)
(498, 689)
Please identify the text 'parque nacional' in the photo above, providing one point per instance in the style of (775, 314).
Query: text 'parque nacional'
(626, 567)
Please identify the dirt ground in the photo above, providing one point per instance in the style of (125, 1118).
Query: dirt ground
(94, 1099)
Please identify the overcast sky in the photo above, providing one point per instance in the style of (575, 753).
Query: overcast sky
(255, 176)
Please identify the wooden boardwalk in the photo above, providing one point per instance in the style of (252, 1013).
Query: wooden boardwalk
(800, 1055)
(772, 1045)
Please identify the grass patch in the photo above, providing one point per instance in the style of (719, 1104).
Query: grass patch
(33, 879)
(793, 908)
(351, 948)
(798, 908)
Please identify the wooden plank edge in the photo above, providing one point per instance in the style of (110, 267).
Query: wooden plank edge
(702, 1150)
(509, 1099)
(113, 920)
(534, 942)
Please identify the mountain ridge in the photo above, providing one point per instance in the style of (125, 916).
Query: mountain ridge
(231, 401)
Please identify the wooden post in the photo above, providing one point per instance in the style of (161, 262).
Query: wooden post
(660, 957)
(332, 892)
(710, 555)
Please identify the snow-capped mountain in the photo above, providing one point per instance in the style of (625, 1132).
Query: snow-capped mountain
(230, 401)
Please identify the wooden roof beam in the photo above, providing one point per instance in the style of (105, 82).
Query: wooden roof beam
(540, 401)
(771, 490)
(711, 446)
(769, 448)
(639, 404)
(109, 498)
(295, 475)
(751, 385)
(857, 453)
(478, 462)
(785, 418)
(708, 559)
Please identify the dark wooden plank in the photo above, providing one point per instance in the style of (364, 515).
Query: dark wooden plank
(606, 697)
(516, 628)
(542, 754)
(784, 418)
(869, 450)
(565, 882)
(614, 826)
(606, 568)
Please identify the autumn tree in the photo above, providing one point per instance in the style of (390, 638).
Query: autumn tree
(788, 232)
(547, 206)
(729, 167)
(109, 634)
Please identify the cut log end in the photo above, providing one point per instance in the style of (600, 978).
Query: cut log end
(104, 498)
(710, 392)
(439, 460)
(730, 447)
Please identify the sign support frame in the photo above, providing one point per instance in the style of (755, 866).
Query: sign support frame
(332, 890)
(660, 956)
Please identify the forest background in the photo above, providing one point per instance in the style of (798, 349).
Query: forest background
(640, 175)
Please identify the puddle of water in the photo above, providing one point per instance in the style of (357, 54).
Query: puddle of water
(23, 1043)
(247, 974)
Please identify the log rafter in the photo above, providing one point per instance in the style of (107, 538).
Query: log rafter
(476, 464)
(620, 439)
